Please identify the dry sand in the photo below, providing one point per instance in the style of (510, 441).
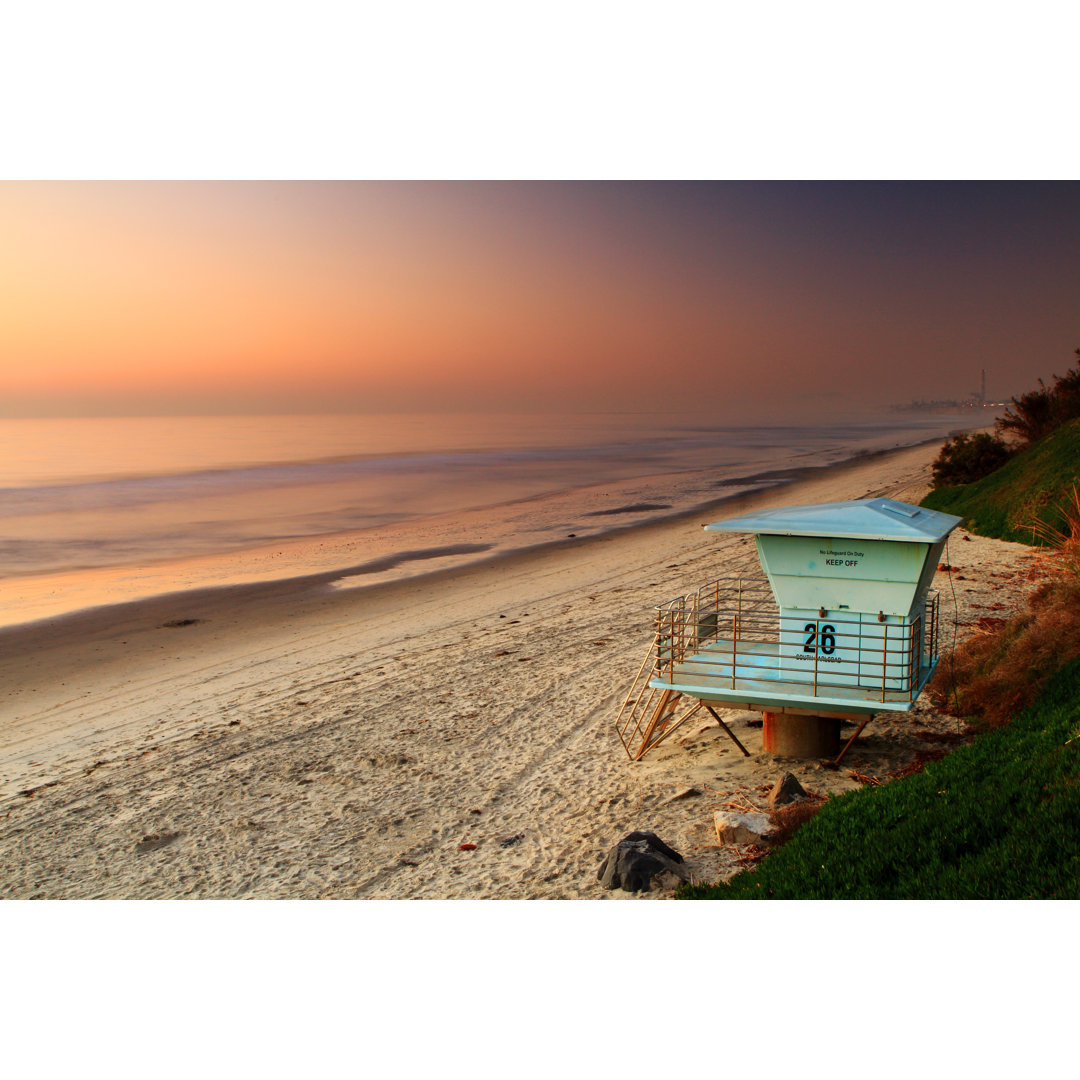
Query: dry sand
(296, 740)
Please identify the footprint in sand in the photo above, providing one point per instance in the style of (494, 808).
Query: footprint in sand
(155, 841)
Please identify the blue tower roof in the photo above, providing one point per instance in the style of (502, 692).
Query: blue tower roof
(860, 519)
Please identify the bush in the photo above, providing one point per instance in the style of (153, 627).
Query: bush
(967, 458)
(1033, 415)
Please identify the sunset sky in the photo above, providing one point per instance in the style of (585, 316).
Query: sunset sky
(729, 299)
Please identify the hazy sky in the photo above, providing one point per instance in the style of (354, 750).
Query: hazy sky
(730, 299)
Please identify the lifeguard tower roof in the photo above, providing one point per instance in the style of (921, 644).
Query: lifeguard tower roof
(856, 519)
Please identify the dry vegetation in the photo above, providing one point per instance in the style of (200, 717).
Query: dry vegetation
(1003, 666)
(787, 819)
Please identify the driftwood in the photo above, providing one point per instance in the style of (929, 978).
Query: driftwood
(873, 781)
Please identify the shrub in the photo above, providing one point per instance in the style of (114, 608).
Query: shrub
(1035, 414)
(967, 458)
(1063, 538)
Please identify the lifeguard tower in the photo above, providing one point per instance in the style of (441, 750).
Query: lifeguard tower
(843, 624)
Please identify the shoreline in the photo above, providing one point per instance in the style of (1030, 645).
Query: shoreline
(319, 742)
(83, 619)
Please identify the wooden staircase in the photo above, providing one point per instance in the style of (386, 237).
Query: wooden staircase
(647, 716)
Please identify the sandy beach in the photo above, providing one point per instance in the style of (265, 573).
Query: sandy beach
(299, 739)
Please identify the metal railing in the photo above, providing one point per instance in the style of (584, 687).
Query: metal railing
(731, 631)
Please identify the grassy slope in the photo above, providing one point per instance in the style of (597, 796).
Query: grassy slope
(1031, 485)
(997, 819)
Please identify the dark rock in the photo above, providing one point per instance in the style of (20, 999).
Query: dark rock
(639, 861)
(654, 841)
(786, 789)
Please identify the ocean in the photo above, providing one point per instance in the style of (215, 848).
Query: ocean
(99, 511)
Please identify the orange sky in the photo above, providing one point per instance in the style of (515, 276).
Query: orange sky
(237, 291)
(230, 297)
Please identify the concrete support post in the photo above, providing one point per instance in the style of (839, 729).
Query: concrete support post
(788, 735)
